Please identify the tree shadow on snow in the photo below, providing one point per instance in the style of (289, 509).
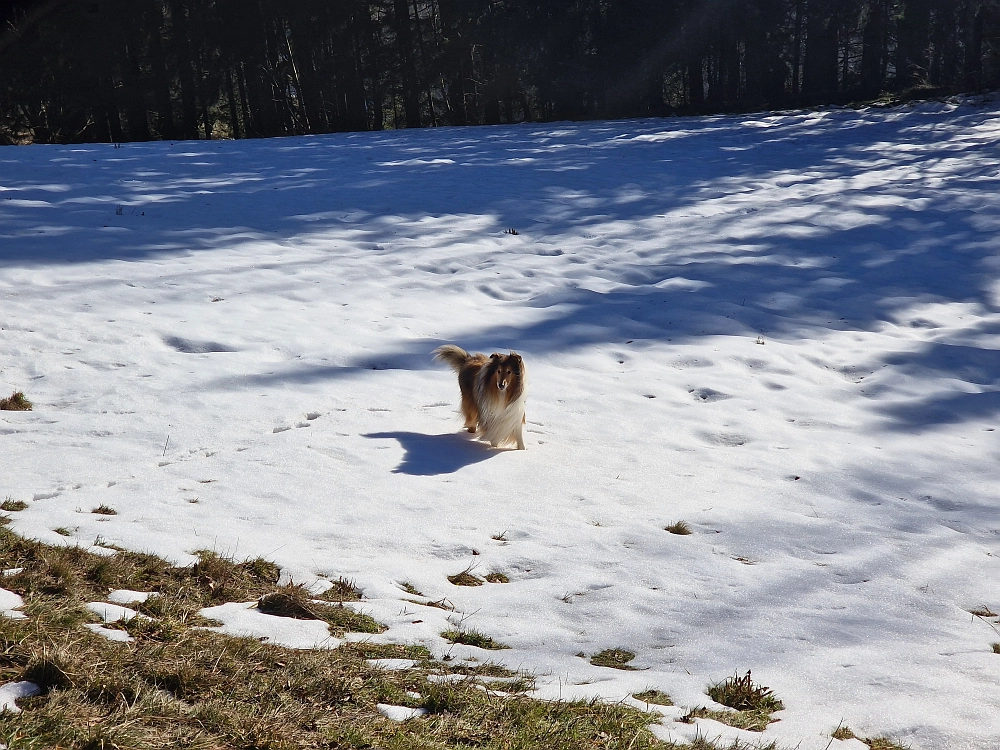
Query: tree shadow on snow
(432, 455)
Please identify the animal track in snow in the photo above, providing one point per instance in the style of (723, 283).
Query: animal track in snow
(190, 346)
(727, 439)
(708, 395)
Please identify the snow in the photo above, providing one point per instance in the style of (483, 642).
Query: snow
(399, 713)
(782, 329)
(113, 612)
(127, 596)
(11, 691)
(10, 604)
(245, 620)
(112, 634)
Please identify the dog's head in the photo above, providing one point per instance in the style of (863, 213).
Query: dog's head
(507, 370)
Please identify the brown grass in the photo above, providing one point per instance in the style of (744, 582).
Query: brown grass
(751, 721)
(882, 743)
(182, 686)
(465, 578)
(679, 527)
(473, 638)
(843, 733)
(15, 402)
(12, 505)
(654, 696)
(616, 658)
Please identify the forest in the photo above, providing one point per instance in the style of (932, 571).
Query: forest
(137, 70)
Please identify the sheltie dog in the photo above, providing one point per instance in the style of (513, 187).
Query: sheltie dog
(492, 393)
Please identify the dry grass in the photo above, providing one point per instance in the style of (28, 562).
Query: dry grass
(181, 686)
(342, 591)
(679, 527)
(105, 510)
(497, 577)
(465, 578)
(983, 611)
(751, 721)
(616, 658)
(15, 402)
(12, 505)
(743, 694)
(753, 704)
(473, 638)
(882, 743)
(296, 602)
(843, 733)
(654, 696)
(996, 648)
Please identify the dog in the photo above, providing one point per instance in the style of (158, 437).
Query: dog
(493, 390)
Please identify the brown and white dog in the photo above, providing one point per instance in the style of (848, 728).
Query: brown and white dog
(492, 393)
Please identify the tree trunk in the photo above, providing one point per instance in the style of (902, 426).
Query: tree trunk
(407, 63)
(974, 47)
(185, 66)
(873, 49)
(819, 77)
(913, 34)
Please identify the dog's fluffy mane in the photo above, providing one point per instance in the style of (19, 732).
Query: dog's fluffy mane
(496, 415)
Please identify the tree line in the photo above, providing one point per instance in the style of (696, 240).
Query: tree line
(135, 70)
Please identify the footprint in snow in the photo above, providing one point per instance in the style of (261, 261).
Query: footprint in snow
(708, 395)
(728, 439)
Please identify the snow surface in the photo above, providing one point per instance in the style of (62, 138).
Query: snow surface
(127, 596)
(11, 691)
(10, 604)
(782, 329)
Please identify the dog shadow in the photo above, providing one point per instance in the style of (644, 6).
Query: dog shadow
(431, 455)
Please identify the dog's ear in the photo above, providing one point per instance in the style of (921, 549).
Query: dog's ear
(495, 355)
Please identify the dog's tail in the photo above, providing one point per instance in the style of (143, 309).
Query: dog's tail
(453, 356)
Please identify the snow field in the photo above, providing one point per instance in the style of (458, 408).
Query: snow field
(783, 330)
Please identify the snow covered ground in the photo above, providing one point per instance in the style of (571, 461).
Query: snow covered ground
(783, 330)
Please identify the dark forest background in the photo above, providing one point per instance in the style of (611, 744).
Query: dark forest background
(134, 70)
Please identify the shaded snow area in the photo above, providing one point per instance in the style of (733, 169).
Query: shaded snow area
(783, 330)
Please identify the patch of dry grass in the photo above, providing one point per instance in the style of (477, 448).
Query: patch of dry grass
(843, 733)
(16, 401)
(654, 696)
(296, 602)
(882, 743)
(473, 638)
(680, 527)
(752, 721)
(616, 658)
(181, 686)
(743, 694)
(12, 505)
(465, 578)
(753, 704)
